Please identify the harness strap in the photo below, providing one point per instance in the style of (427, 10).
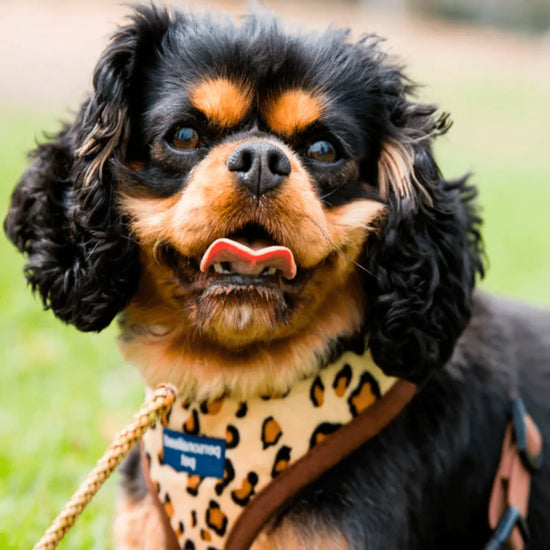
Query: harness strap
(304, 471)
(320, 459)
(521, 456)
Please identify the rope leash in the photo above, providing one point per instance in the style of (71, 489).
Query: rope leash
(155, 407)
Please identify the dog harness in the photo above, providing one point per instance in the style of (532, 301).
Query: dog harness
(208, 461)
(219, 470)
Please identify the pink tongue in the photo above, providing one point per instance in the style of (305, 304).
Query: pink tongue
(246, 260)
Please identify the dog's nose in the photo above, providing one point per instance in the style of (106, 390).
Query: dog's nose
(260, 166)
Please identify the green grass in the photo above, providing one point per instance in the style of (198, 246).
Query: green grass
(64, 394)
(501, 136)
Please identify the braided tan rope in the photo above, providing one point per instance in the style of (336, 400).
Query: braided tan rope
(156, 406)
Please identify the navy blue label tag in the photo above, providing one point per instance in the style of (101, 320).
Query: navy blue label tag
(202, 456)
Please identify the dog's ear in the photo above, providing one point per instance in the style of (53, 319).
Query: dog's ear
(426, 256)
(63, 213)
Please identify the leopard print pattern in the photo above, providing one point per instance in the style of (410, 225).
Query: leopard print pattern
(263, 436)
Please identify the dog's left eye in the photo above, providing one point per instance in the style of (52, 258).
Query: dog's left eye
(184, 139)
(322, 151)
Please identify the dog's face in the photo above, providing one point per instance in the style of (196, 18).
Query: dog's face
(251, 189)
(236, 190)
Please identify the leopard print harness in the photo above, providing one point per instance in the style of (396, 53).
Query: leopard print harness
(208, 460)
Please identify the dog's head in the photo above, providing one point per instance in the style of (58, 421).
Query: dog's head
(235, 191)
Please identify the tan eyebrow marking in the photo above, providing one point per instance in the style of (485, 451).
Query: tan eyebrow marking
(293, 111)
(222, 101)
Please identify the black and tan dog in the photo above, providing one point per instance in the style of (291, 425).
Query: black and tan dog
(255, 207)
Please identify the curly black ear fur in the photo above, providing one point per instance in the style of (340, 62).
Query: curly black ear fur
(63, 213)
(425, 259)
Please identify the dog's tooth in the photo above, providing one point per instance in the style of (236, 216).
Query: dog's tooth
(218, 268)
(271, 271)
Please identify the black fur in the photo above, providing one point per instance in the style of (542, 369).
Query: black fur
(81, 258)
(424, 482)
(424, 264)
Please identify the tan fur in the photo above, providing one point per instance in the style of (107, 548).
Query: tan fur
(396, 170)
(288, 536)
(203, 370)
(213, 204)
(293, 111)
(224, 102)
(170, 348)
(95, 144)
(138, 525)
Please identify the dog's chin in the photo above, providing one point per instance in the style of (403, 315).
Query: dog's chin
(233, 308)
(237, 310)
(241, 315)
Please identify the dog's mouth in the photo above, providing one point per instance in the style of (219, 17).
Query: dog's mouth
(256, 258)
(247, 258)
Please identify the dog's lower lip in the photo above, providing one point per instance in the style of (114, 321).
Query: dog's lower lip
(240, 280)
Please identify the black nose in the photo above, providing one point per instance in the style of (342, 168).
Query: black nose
(260, 166)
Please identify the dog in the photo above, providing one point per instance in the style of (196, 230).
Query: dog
(255, 207)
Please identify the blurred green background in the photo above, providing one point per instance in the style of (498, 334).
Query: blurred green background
(63, 394)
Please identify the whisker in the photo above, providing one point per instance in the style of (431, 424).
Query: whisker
(339, 249)
(337, 188)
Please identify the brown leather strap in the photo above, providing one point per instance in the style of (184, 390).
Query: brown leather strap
(169, 535)
(321, 458)
(513, 479)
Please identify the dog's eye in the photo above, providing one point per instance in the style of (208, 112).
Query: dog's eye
(322, 151)
(185, 139)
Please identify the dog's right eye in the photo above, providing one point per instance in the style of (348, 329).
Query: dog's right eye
(184, 139)
(322, 151)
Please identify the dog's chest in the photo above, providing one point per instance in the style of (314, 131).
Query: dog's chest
(208, 460)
